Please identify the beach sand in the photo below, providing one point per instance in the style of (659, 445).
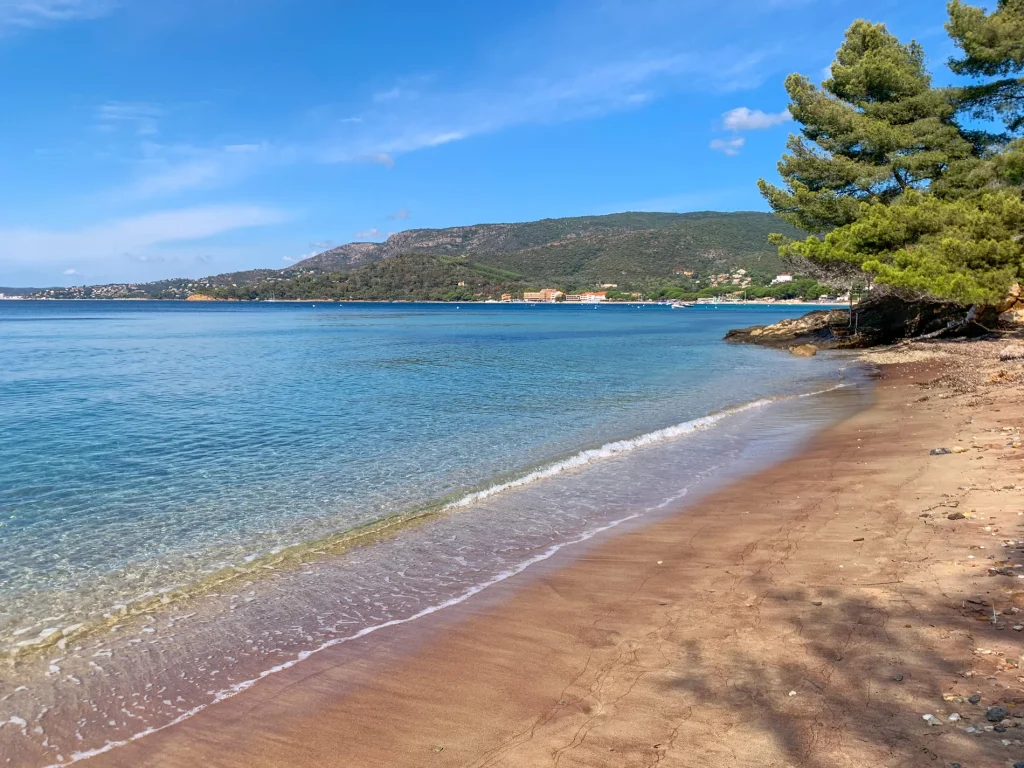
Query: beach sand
(806, 616)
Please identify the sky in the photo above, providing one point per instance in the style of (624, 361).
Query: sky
(148, 139)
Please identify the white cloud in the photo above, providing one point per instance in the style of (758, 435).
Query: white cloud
(745, 119)
(368, 234)
(728, 146)
(141, 115)
(400, 214)
(71, 272)
(132, 237)
(41, 13)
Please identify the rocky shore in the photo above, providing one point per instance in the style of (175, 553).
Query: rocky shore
(877, 322)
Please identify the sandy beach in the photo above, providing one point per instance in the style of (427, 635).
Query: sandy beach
(810, 615)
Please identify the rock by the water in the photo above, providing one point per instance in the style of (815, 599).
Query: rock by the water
(803, 350)
(874, 321)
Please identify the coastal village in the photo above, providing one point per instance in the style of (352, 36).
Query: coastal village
(736, 286)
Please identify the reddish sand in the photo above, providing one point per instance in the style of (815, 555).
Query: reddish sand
(807, 616)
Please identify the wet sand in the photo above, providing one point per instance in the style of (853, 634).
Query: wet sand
(806, 616)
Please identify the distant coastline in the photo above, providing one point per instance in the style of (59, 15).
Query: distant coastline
(648, 303)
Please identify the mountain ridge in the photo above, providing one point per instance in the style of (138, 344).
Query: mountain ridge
(633, 248)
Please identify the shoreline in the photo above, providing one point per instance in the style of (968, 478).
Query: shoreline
(201, 302)
(682, 638)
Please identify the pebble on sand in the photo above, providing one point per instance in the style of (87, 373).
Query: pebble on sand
(996, 714)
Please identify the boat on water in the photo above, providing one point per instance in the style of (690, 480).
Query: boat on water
(681, 304)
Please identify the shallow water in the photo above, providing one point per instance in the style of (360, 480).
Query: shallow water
(145, 447)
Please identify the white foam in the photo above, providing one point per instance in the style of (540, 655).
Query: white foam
(608, 450)
(578, 460)
(238, 688)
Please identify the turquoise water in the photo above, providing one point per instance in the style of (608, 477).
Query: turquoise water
(144, 446)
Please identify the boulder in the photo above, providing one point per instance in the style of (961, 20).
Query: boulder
(881, 320)
(1012, 298)
(1012, 317)
(803, 350)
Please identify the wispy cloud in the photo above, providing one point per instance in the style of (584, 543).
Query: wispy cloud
(389, 95)
(166, 169)
(140, 116)
(40, 13)
(380, 158)
(134, 235)
(433, 117)
(728, 146)
(400, 215)
(550, 84)
(70, 272)
(373, 233)
(745, 119)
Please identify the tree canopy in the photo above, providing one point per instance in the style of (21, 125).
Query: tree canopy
(894, 176)
(993, 47)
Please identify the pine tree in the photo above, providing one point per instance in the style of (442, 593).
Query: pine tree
(900, 192)
(875, 129)
(993, 46)
(967, 250)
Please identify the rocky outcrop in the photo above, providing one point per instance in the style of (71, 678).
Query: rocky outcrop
(1011, 311)
(875, 321)
(803, 350)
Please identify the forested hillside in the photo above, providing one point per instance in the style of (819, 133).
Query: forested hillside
(634, 251)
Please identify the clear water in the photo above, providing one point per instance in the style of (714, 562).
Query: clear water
(148, 449)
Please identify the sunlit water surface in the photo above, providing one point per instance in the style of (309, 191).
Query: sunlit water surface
(149, 449)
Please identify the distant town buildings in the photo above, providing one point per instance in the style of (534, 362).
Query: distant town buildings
(546, 294)
(785, 277)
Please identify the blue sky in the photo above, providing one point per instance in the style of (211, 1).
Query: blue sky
(144, 139)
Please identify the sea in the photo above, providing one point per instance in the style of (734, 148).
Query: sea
(194, 496)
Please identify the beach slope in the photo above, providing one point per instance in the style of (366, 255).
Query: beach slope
(810, 615)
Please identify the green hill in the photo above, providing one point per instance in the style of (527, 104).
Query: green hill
(635, 251)
(620, 246)
(410, 277)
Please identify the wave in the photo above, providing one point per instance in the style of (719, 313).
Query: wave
(259, 564)
(238, 688)
(608, 450)
(382, 529)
